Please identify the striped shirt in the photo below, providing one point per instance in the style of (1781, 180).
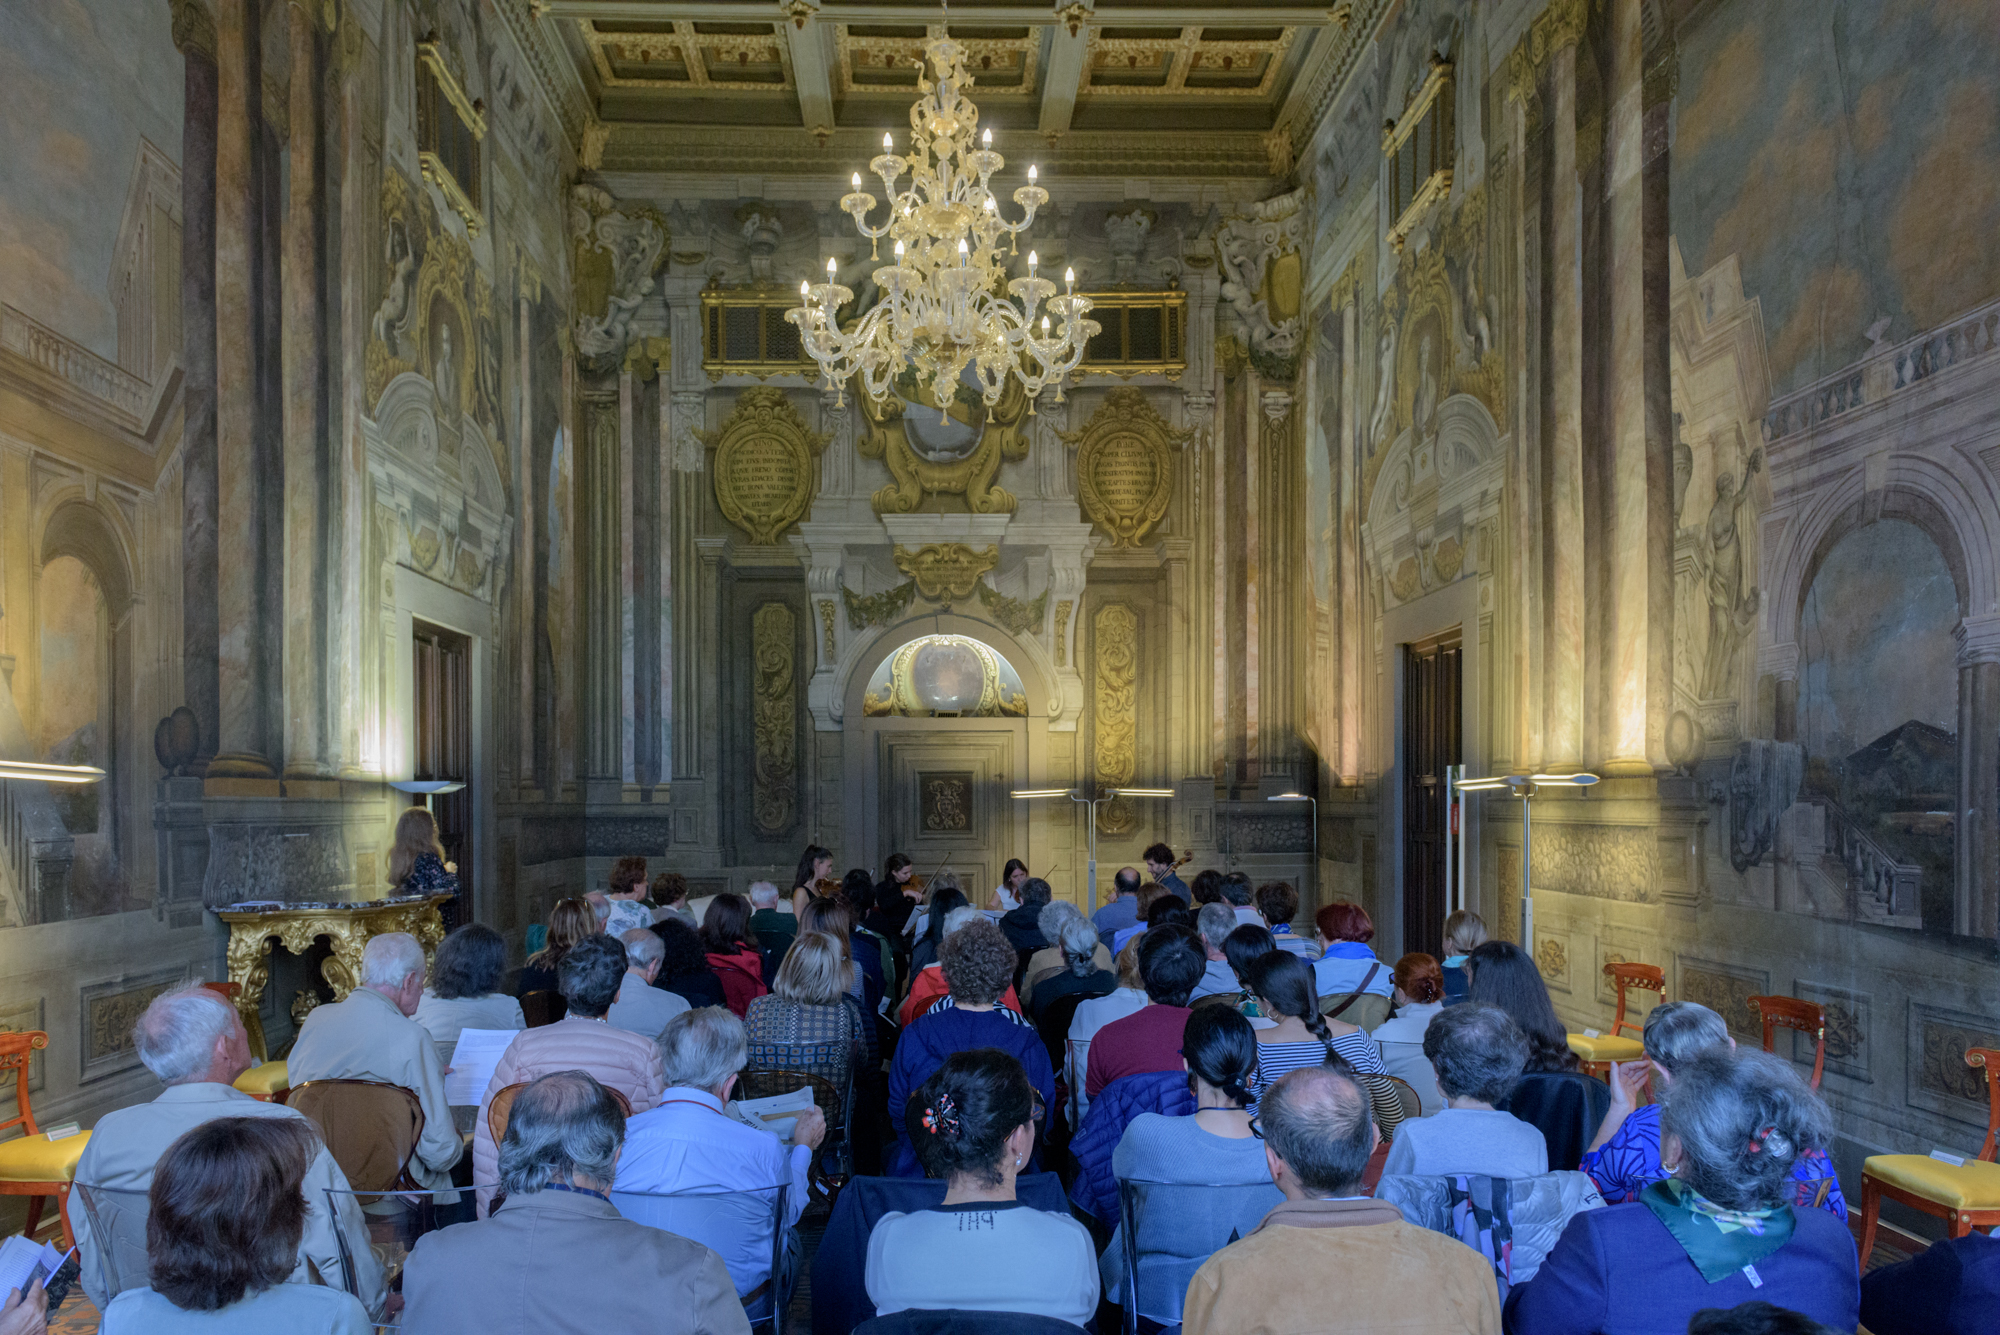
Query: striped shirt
(1276, 1060)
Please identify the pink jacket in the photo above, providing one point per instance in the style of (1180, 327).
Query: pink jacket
(621, 1060)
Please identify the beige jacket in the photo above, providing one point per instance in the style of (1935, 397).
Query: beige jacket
(620, 1060)
(127, 1143)
(1343, 1266)
(366, 1038)
(566, 1263)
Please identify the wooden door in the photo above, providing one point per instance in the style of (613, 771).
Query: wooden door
(1431, 741)
(442, 677)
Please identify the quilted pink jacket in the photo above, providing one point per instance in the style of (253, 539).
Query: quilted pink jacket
(621, 1060)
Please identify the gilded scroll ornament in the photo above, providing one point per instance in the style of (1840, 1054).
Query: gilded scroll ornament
(1114, 641)
(1014, 615)
(1063, 609)
(877, 609)
(946, 572)
(1125, 465)
(774, 718)
(766, 464)
(826, 611)
(957, 457)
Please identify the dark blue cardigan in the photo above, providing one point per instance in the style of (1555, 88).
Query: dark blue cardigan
(1617, 1271)
(1953, 1288)
(930, 1039)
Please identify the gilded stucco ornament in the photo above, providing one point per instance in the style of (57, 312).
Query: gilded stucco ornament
(945, 572)
(766, 464)
(1125, 465)
(1114, 637)
(774, 716)
(948, 459)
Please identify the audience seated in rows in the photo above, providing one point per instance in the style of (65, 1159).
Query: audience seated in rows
(928, 925)
(1022, 925)
(1237, 894)
(1348, 963)
(1552, 1093)
(1243, 948)
(1081, 965)
(1128, 998)
(684, 967)
(871, 950)
(225, 1218)
(670, 894)
(972, 1122)
(732, 951)
(591, 975)
(640, 1008)
(1121, 910)
(1156, 905)
(370, 1036)
(1277, 904)
(625, 893)
(570, 921)
(555, 1258)
(688, 1144)
(1419, 998)
(831, 917)
(192, 1039)
(1478, 1054)
(1723, 1230)
(928, 988)
(1283, 986)
(1464, 932)
(1951, 1288)
(976, 963)
(1213, 924)
(773, 925)
(465, 988)
(1171, 962)
(1048, 962)
(809, 1022)
(1624, 1158)
(1206, 888)
(1391, 1274)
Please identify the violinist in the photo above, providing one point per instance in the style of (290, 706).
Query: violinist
(813, 878)
(896, 897)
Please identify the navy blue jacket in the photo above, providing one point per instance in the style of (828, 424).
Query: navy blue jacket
(1617, 1271)
(932, 1038)
(1953, 1288)
(1095, 1190)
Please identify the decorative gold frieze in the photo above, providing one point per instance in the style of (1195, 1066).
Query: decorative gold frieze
(1063, 610)
(766, 464)
(774, 718)
(1125, 465)
(1014, 615)
(1114, 642)
(877, 609)
(923, 469)
(946, 572)
(826, 611)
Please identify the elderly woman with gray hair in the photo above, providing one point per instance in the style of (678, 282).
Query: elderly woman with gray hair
(1066, 965)
(557, 1164)
(1722, 1230)
(1625, 1156)
(1478, 1053)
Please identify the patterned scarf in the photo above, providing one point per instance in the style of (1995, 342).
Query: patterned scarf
(1719, 1241)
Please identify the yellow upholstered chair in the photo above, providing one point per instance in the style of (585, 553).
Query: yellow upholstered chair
(1597, 1053)
(268, 1082)
(1966, 1196)
(1808, 1017)
(33, 1165)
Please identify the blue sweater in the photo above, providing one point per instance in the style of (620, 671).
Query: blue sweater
(924, 1046)
(1617, 1271)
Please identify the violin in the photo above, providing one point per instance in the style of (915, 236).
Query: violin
(826, 887)
(1185, 858)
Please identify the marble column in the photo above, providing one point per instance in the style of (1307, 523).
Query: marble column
(305, 616)
(1280, 556)
(1563, 674)
(194, 34)
(600, 666)
(1347, 496)
(1526, 492)
(359, 197)
(241, 667)
(1976, 898)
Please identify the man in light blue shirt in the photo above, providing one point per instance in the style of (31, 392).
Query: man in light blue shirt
(1122, 912)
(1215, 922)
(689, 1145)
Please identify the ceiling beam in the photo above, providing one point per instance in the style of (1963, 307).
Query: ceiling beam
(741, 11)
(1068, 45)
(812, 75)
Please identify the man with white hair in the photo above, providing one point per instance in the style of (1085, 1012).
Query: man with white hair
(370, 1036)
(1215, 922)
(193, 1040)
(688, 1144)
(775, 926)
(639, 1006)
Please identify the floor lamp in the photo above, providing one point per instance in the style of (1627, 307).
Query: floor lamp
(423, 788)
(41, 773)
(1093, 803)
(1306, 797)
(1524, 787)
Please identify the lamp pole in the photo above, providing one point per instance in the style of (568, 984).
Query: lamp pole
(1090, 837)
(1524, 787)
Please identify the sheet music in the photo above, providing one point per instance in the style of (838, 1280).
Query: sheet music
(472, 1063)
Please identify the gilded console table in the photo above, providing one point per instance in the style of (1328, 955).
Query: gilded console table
(347, 928)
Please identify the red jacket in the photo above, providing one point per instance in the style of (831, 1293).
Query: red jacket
(742, 977)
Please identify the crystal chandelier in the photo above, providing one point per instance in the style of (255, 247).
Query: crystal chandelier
(946, 302)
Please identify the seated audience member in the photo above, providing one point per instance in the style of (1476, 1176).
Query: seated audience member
(1152, 895)
(1721, 1231)
(1213, 925)
(684, 967)
(193, 1040)
(1348, 963)
(1236, 892)
(1213, 1146)
(928, 925)
(370, 1036)
(1478, 1054)
(1128, 998)
(732, 951)
(1952, 1287)
(1048, 962)
(976, 963)
(1086, 963)
(1755, 1319)
(226, 1213)
(772, 925)
(626, 892)
(830, 917)
(570, 921)
(1277, 904)
(689, 1145)
(928, 987)
(1419, 1000)
(1123, 909)
(1022, 924)
(1464, 932)
(1206, 888)
(1553, 1094)
(417, 864)
(1394, 1274)
(1171, 962)
(807, 1022)
(670, 894)
(592, 973)
(1625, 1156)
(1243, 948)
(1159, 860)
(870, 948)
(980, 1249)
(1283, 986)
(640, 1008)
(556, 1168)
(465, 988)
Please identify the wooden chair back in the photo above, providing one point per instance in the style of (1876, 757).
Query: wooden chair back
(502, 1105)
(229, 991)
(542, 1007)
(1229, 999)
(1808, 1017)
(1629, 974)
(16, 1055)
(371, 1129)
(1406, 1094)
(1988, 1060)
(764, 1082)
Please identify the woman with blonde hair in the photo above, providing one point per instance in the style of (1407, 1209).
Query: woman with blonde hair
(1464, 932)
(416, 860)
(808, 1022)
(570, 921)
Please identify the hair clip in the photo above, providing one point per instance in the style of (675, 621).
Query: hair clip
(1757, 1141)
(941, 1118)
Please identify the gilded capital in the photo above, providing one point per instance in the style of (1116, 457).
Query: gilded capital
(194, 28)
(1561, 24)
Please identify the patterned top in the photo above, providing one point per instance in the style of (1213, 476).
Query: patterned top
(428, 876)
(1275, 1060)
(1627, 1163)
(796, 1037)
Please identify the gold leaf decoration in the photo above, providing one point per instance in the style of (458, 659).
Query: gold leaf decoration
(766, 464)
(1115, 717)
(946, 571)
(774, 718)
(1125, 465)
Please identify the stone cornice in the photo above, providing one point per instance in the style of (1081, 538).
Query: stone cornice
(1332, 62)
(553, 72)
(194, 28)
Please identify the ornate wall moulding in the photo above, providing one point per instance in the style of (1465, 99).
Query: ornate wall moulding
(774, 718)
(1114, 639)
(766, 464)
(946, 572)
(1125, 466)
(1016, 616)
(877, 609)
(956, 457)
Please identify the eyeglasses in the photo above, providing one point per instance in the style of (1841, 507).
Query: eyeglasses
(1256, 1127)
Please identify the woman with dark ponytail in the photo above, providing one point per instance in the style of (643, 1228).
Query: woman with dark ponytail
(1283, 986)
